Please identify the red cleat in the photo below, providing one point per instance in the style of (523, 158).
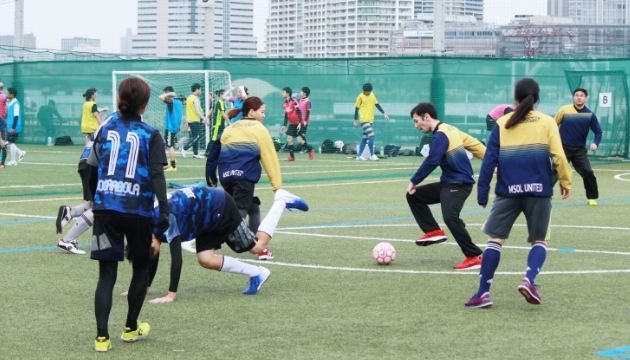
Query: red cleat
(470, 263)
(311, 154)
(290, 158)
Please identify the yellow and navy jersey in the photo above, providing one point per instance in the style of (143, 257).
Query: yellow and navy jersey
(89, 124)
(448, 151)
(366, 104)
(239, 153)
(523, 156)
(191, 111)
(574, 125)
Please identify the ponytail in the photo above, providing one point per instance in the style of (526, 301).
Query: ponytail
(527, 94)
(233, 113)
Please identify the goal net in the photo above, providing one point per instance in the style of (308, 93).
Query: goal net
(181, 81)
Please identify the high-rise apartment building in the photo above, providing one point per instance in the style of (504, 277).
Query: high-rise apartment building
(592, 12)
(30, 42)
(334, 28)
(126, 42)
(175, 28)
(452, 8)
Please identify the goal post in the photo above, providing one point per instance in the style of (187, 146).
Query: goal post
(181, 81)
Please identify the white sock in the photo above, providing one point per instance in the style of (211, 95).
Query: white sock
(270, 222)
(80, 209)
(83, 224)
(234, 266)
(13, 151)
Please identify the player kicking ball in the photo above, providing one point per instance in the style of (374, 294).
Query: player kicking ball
(211, 216)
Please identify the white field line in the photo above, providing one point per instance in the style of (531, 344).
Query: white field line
(29, 216)
(445, 243)
(414, 225)
(39, 200)
(37, 186)
(620, 177)
(53, 164)
(420, 272)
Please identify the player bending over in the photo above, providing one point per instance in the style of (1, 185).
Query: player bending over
(212, 217)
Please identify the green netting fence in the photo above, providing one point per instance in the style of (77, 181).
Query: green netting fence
(463, 89)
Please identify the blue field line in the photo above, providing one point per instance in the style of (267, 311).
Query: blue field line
(38, 248)
(18, 221)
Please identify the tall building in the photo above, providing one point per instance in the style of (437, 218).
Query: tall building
(30, 41)
(175, 28)
(452, 8)
(125, 43)
(592, 12)
(333, 28)
(81, 44)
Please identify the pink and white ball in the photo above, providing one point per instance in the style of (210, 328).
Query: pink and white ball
(384, 253)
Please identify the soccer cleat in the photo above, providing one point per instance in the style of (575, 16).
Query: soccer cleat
(265, 255)
(290, 158)
(11, 163)
(255, 282)
(303, 151)
(374, 158)
(530, 292)
(291, 201)
(170, 169)
(183, 152)
(21, 157)
(134, 335)
(63, 217)
(70, 247)
(360, 158)
(432, 237)
(311, 154)
(102, 344)
(470, 263)
(591, 202)
(198, 156)
(476, 302)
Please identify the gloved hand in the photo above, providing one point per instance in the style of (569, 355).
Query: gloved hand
(163, 223)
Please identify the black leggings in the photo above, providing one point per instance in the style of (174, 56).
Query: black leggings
(176, 264)
(108, 272)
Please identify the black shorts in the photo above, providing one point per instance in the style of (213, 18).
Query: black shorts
(302, 132)
(231, 219)
(292, 130)
(110, 231)
(13, 138)
(84, 173)
(170, 139)
(505, 210)
(243, 194)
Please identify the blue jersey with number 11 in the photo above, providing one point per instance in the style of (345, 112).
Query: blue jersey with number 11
(124, 181)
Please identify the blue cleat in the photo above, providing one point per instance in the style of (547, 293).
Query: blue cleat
(291, 201)
(255, 282)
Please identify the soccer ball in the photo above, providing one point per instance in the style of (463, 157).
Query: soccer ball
(384, 253)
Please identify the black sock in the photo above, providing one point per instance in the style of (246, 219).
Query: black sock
(173, 164)
(306, 146)
(137, 289)
(291, 151)
(108, 271)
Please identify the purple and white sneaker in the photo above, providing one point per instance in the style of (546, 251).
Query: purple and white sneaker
(530, 292)
(482, 301)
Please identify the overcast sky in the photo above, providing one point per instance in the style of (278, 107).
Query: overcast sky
(108, 20)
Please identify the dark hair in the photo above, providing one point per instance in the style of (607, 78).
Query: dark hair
(246, 91)
(582, 90)
(218, 93)
(168, 89)
(288, 90)
(424, 108)
(194, 87)
(51, 102)
(526, 92)
(12, 91)
(367, 87)
(133, 94)
(88, 93)
(251, 103)
(306, 90)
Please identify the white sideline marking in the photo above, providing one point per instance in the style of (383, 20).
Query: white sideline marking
(53, 164)
(414, 225)
(619, 177)
(420, 272)
(37, 186)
